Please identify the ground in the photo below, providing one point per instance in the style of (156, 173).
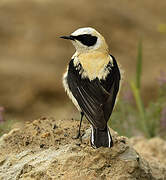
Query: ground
(45, 149)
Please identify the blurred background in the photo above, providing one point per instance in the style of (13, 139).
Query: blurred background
(33, 57)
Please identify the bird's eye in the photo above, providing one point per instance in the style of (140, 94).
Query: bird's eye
(87, 39)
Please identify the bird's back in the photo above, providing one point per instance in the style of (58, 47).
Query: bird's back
(96, 97)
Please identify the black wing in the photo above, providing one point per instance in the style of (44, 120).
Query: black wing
(111, 84)
(96, 98)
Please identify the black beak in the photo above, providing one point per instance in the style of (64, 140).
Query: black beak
(68, 37)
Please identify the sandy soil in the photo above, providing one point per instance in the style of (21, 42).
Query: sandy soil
(44, 149)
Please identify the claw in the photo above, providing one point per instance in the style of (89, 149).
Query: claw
(77, 136)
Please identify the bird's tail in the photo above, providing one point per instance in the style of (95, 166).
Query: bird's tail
(101, 138)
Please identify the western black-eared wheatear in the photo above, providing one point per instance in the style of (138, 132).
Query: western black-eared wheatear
(92, 82)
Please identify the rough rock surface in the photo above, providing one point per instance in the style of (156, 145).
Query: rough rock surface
(45, 149)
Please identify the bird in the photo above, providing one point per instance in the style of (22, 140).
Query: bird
(92, 82)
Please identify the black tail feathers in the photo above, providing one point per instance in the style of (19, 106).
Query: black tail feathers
(101, 138)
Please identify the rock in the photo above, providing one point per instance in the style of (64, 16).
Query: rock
(40, 151)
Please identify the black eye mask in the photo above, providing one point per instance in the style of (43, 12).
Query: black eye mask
(86, 39)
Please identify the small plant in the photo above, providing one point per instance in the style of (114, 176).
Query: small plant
(5, 125)
(136, 90)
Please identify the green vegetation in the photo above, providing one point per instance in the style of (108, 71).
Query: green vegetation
(5, 126)
(131, 117)
(162, 28)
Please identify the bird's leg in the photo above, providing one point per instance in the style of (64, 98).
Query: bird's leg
(79, 130)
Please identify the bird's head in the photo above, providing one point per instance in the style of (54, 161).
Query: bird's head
(87, 40)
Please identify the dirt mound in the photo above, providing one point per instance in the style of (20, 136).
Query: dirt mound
(45, 149)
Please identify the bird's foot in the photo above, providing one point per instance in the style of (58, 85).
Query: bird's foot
(78, 136)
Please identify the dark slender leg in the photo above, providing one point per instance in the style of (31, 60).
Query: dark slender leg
(79, 130)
